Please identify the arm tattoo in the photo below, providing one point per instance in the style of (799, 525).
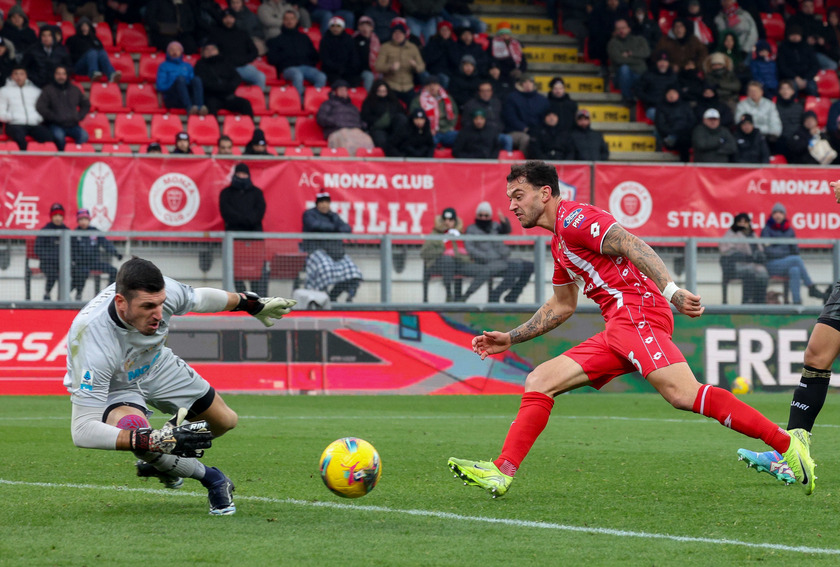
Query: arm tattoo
(619, 242)
(544, 320)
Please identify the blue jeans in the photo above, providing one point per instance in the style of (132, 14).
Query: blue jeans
(446, 139)
(625, 80)
(92, 61)
(296, 76)
(794, 269)
(183, 94)
(252, 75)
(465, 21)
(424, 28)
(323, 18)
(367, 79)
(79, 135)
(506, 142)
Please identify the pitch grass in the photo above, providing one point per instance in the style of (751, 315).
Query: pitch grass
(612, 461)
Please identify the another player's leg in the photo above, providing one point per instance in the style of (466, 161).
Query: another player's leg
(549, 379)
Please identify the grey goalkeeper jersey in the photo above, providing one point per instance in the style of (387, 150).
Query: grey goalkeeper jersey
(104, 354)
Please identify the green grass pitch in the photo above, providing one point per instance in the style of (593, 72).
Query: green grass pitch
(615, 479)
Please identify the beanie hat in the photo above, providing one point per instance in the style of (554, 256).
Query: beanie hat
(83, 214)
(778, 207)
(483, 208)
(242, 168)
(322, 196)
(182, 136)
(449, 213)
(57, 209)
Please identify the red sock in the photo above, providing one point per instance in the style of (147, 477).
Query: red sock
(529, 423)
(721, 405)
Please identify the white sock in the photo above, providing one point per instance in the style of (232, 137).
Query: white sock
(181, 466)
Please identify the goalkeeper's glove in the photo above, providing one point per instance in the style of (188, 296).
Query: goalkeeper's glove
(187, 440)
(264, 308)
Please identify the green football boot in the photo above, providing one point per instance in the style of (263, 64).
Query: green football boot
(798, 457)
(483, 474)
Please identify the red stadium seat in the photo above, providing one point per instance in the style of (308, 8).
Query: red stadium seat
(123, 63)
(133, 38)
(131, 129)
(285, 101)
(164, 128)
(313, 98)
(9, 147)
(778, 159)
(144, 99)
(116, 149)
(335, 152)
(308, 133)
(357, 96)
(149, 63)
(68, 29)
(79, 148)
(443, 153)
(41, 147)
(666, 20)
(828, 85)
(239, 128)
(774, 26)
(370, 153)
(277, 131)
(255, 96)
(300, 151)
(512, 155)
(106, 97)
(314, 34)
(98, 128)
(820, 106)
(103, 32)
(203, 130)
(271, 78)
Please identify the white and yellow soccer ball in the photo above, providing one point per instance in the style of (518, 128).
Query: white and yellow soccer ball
(350, 467)
(741, 386)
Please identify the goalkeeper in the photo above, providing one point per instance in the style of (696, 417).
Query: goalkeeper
(118, 365)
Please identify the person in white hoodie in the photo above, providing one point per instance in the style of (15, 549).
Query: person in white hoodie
(17, 110)
(764, 113)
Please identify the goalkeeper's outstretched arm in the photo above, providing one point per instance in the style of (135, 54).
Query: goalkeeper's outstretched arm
(266, 309)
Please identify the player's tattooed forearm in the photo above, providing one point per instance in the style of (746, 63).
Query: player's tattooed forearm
(542, 322)
(619, 242)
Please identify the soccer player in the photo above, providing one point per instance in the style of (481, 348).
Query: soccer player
(632, 286)
(118, 365)
(809, 397)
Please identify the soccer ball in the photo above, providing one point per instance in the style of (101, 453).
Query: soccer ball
(741, 386)
(350, 467)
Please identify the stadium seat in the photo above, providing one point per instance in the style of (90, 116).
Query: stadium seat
(149, 63)
(9, 147)
(239, 128)
(285, 101)
(68, 29)
(164, 128)
(144, 99)
(820, 106)
(116, 149)
(370, 153)
(357, 96)
(313, 98)
(334, 152)
(103, 32)
(774, 25)
(314, 34)
(106, 97)
(79, 148)
(133, 38)
(666, 20)
(277, 131)
(131, 129)
(203, 130)
(38, 11)
(778, 159)
(512, 155)
(443, 153)
(41, 147)
(300, 151)
(271, 78)
(123, 63)
(98, 128)
(828, 85)
(308, 133)
(255, 96)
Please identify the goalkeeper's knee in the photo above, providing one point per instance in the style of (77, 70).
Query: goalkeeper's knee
(133, 421)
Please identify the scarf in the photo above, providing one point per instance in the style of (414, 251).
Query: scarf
(373, 49)
(702, 31)
(502, 50)
(431, 107)
(731, 14)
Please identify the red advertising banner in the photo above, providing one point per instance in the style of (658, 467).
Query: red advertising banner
(702, 201)
(182, 194)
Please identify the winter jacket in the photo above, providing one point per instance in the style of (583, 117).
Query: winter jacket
(413, 143)
(381, 113)
(765, 72)
(492, 110)
(745, 29)
(691, 85)
(565, 108)
(248, 22)
(652, 86)
(340, 58)
(713, 145)
(84, 248)
(235, 45)
(422, 9)
(337, 113)
(444, 123)
(63, 105)
(78, 44)
(601, 26)
(551, 143)
(472, 143)
(434, 249)
(381, 21)
(316, 221)
(22, 38)
(218, 76)
(482, 60)
(728, 84)
(484, 252)
(765, 115)
(40, 65)
(463, 87)
(169, 71)
(401, 80)
(521, 110)
(47, 247)
(639, 53)
(589, 145)
(291, 48)
(727, 119)
(167, 11)
(790, 115)
(270, 15)
(774, 230)
(437, 53)
(796, 60)
(675, 119)
(18, 104)
(682, 51)
(752, 147)
(795, 148)
(242, 206)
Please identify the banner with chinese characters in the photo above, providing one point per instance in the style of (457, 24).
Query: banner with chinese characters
(182, 194)
(702, 201)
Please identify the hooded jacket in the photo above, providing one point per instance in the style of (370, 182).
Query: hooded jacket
(79, 44)
(413, 143)
(63, 105)
(242, 205)
(218, 76)
(22, 38)
(292, 48)
(772, 229)
(434, 249)
(402, 79)
(765, 115)
(484, 252)
(337, 113)
(235, 44)
(565, 108)
(472, 143)
(18, 104)
(752, 147)
(681, 51)
(523, 110)
(169, 71)
(713, 145)
(589, 145)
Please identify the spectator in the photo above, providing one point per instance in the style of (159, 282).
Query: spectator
(712, 143)
(367, 50)
(550, 141)
(398, 60)
(507, 53)
(7, 62)
(575, 19)
(458, 12)
(438, 54)
(183, 145)
(798, 147)
(88, 55)
(628, 59)
(562, 104)
(270, 14)
(247, 21)
(691, 83)
(589, 145)
(177, 82)
(294, 55)
(450, 258)
(415, 140)
(16, 29)
(466, 45)
(69, 10)
(47, 248)
(220, 80)
(257, 145)
(642, 25)
(602, 20)
(711, 100)
(653, 84)
(790, 114)
(796, 60)
(328, 264)
(242, 206)
(465, 82)
(382, 15)
(492, 107)
(422, 16)
(763, 68)
(832, 32)
(171, 20)
(224, 147)
(682, 46)
(341, 121)
(339, 56)
(675, 122)
(745, 260)
(42, 58)
(18, 111)
(322, 11)
(784, 259)
(476, 140)
(63, 106)
(86, 253)
(700, 23)
(817, 34)
(125, 11)
(728, 45)
(752, 145)
(764, 114)
(522, 111)
(384, 116)
(237, 48)
(495, 255)
(154, 148)
(833, 125)
(735, 18)
(718, 69)
(441, 110)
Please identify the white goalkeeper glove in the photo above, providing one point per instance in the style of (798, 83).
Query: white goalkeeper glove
(266, 309)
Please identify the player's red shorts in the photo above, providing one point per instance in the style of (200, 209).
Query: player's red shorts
(633, 340)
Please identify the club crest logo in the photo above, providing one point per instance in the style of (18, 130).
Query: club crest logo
(631, 204)
(174, 199)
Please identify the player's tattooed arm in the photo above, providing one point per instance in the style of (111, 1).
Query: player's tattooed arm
(619, 242)
(551, 315)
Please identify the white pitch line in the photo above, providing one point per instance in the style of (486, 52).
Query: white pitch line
(451, 516)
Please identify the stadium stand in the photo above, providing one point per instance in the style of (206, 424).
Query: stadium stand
(203, 130)
(133, 38)
(143, 98)
(313, 98)
(309, 133)
(239, 128)
(164, 128)
(98, 128)
(277, 130)
(106, 97)
(285, 101)
(299, 151)
(255, 96)
(131, 129)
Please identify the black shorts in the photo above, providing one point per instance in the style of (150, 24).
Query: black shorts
(831, 312)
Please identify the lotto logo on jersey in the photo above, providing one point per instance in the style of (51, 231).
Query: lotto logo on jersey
(572, 217)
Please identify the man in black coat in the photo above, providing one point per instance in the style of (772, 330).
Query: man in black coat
(752, 147)
(466, 45)
(589, 145)
(674, 123)
(63, 106)
(339, 54)
(294, 55)
(550, 141)
(655, 82)
(86, 253)
(238, 48)
(47, 248)
(477, 140)
(796, 60)
(42, 58)
(220, 81)
(242, 206)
